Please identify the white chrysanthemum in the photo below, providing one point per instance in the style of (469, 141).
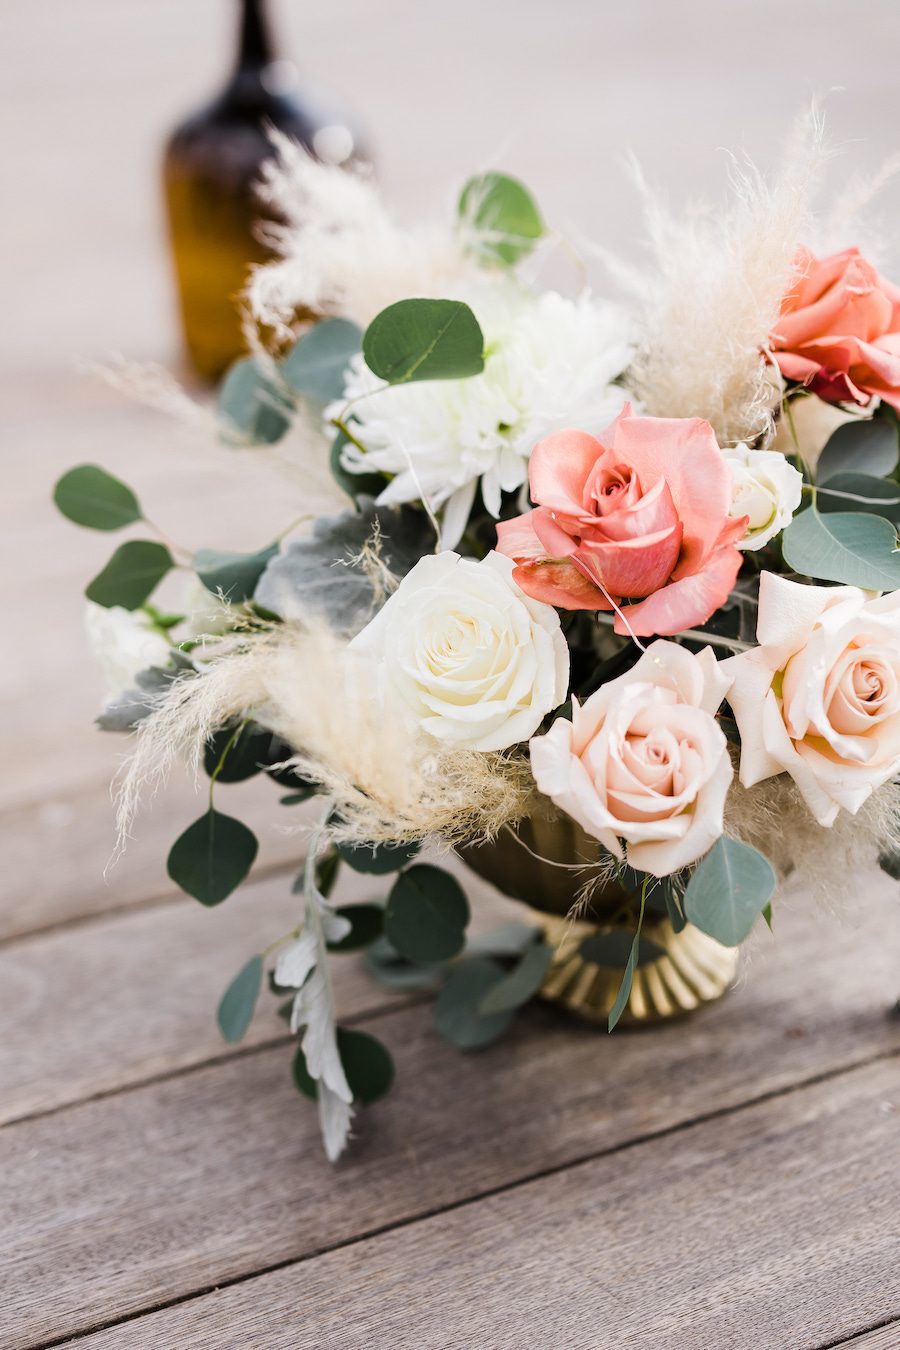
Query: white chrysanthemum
(123, 642)
(550, 364)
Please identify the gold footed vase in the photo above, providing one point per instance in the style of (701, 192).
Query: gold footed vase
(681, 970)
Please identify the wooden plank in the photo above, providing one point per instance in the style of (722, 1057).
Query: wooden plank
(213, 1175)
(140, 991)
(886, 1337)
(57, 854)
(775, 1226)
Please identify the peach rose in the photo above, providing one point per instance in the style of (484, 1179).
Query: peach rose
(639, 514)
(839, 330)
(820, 697)
(644, 761)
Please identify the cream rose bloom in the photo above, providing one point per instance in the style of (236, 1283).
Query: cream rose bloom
(644, 761)
(766, 489)
(819, 698)
(478, 663)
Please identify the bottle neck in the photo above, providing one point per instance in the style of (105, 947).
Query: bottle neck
(255, 48)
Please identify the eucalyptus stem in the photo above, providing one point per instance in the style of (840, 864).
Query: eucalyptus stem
(354, 440)
(694, 635)
(221, 764)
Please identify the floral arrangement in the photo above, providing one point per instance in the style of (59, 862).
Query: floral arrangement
(632, 566)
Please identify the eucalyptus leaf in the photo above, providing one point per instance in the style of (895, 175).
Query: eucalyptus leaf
(378, 859)
(243, 758)
(622, 996)
(849, 547)
(867, 446)
(389, 968)
(212, 857)
(327, 868)
(355, 485)
(252, 408)
(133, 705)
(366, 924)
(323, 574)
(500, 218)
(90, 496)
(426, 915)
(890, 862)
(239, 1001)
(886, 494)
(613, 948)
(457, 1008)
(131, 575)
(316, 367)
(728, 891)
(367, 1064)
(509, 939)
(424, 340)
(233, 574)
(521, 984)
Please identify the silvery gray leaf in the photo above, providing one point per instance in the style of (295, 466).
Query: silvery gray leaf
(132, 706)
(324, 574)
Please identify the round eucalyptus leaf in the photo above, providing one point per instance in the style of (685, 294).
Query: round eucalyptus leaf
(611, 950)
(424, 340)
(233, 574)
(252, 409)
(367, 1063)
(457, 1008)
(881, 497)
(131, 575)
(850, 547)
(355, 485)
(245, 756)
(867, 446)
(728, 891)
(378, 859)
(385, 964)
(501, 218)
(426, 915)
(317, 365)
(90, 496)
(212, 857)
(366, 923)
(520, 984)
(239, 1001)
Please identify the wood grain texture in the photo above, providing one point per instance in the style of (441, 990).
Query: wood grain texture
(211, 1176)
(886, 1337)
(776, 1226)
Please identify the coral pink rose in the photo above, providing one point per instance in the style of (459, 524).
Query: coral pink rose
(639, 514)
(839, 330)
(644, 761)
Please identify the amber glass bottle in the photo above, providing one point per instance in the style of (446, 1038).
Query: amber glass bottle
(212, 162)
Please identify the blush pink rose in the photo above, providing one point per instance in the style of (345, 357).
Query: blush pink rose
(640, 514)
(644, 761)
(839, 330)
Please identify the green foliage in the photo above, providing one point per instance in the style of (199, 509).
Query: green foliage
(886, 493)
(846, 546)
(866, 447)
(90, 496)
(426, 915)
(509, 939)
(457, 1008)
(212, 857)
(500, 218)
(245, 756)
(136, 704)
(367, 1064)
(234, 574)
(319, 575)
(316, 366)
(355, 485)
(728, 891)
(520, 984)
(385, 964)
(253, 409)
(239, 1001)
(424, 340)
(625, 987)
(366, 924)
(612, 949)
(378, 859)
(131, 575)
(327, 868)
(890, 863)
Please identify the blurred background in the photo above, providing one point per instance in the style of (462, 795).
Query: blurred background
(554, 93)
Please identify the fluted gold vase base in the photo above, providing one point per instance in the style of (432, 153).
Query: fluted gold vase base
(694, 970)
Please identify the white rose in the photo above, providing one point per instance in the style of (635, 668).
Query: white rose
(477, 661)
(643, 760)
(765, 487)
(820, 697)
(123, 642)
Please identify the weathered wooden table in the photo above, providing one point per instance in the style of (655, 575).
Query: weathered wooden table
(731, 1181)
